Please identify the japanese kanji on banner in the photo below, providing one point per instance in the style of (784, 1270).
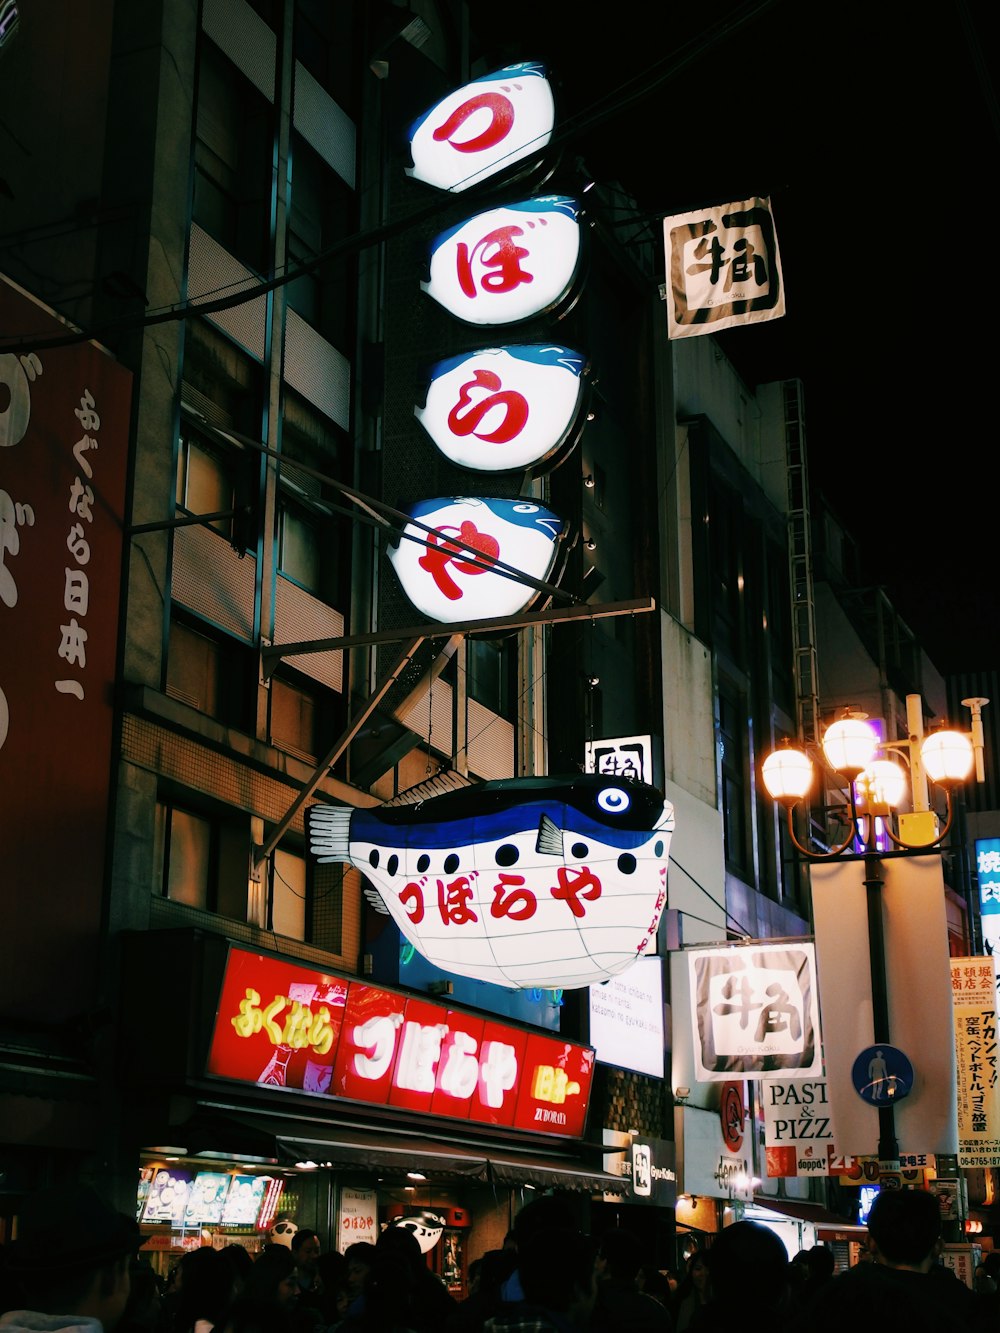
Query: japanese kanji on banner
(723, 268)
(755, 1010)
(973, 984)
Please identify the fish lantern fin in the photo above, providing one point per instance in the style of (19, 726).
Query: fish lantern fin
(375, 899)
(550, 838)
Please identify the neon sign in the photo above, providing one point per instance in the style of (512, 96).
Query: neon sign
(382, 1047)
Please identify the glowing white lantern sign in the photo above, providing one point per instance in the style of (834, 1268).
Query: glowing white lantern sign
(508, 264)
(549, 882)
(482, 128)
(503, 408)
(449, 583)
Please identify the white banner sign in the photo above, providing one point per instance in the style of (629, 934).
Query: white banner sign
(973, 985)
(723, 268)
(798, 1130)
(755, 1011)
(358, 1217)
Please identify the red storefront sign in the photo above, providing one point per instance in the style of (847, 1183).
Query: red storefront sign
(285, 1026)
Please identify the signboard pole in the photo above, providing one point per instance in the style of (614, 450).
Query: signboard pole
(888, 1147)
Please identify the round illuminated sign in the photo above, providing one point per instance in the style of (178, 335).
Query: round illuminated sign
(508, 264)
(483, 128)
(456, 556)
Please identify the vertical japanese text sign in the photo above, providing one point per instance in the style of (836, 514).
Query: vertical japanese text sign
(64, 420)
(973, 982)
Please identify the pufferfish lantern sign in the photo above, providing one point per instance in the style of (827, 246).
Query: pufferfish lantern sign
(526, 882)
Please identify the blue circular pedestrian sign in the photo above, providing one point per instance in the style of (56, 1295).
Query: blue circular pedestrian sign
(882, 1075)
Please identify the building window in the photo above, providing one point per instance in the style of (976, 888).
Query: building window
(305, 902)
(201, 859)
(491, 673)
(212, 479)
(733, 725)
(322, 212)
(207, 672)
(326, 41)
(288, 898)
(233, 153)
(294, 725)
(312, 537)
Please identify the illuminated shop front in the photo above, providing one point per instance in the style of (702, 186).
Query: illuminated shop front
(303, 1098)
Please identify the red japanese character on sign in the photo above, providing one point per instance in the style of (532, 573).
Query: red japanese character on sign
(505, 258)
(412, 898)
(515, 405)
(501, 119)
(437, 557)
(574, 885)
(453, 902)
(511, 899)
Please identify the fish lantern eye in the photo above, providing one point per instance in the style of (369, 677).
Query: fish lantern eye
(526, 509)
(613, 800)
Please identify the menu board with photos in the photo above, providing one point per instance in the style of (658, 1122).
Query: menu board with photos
(246, 1194)
(206, 1198)
(168, 1196)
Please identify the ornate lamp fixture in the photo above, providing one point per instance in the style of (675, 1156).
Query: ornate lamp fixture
(876, 786)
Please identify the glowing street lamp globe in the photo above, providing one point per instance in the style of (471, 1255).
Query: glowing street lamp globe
(787, 774)
(880, 787)
(947, 756)
(849, 745)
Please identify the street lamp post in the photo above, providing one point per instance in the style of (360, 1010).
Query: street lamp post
(875, 790)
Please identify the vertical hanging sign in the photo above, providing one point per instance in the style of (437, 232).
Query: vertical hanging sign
(973, 984)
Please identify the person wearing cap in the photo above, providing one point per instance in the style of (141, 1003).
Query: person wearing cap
(68, 1268)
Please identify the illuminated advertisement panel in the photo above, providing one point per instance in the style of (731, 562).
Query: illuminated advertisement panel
(508, 264)
(551, 1094)
(450, 582)
(542, 882)
(483, 128)
(386, 1048)
(283, 1023)
(504, 409)
(988, 873)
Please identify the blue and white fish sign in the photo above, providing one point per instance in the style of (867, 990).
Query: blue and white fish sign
(547, 882)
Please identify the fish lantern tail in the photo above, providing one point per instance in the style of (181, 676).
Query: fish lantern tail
(329, 830)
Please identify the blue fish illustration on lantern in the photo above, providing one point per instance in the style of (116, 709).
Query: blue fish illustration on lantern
(446, 582)
(549, 882)
(483, 128)
(510, 263)
(504, 408)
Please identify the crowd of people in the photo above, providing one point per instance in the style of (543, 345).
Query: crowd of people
(75, 1268)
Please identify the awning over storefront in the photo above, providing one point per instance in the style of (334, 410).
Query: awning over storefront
(804, 1210)
(385, 1152)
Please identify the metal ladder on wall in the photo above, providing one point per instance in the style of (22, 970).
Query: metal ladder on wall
(800, 562)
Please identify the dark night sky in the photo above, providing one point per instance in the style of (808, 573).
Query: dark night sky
(874, 129)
